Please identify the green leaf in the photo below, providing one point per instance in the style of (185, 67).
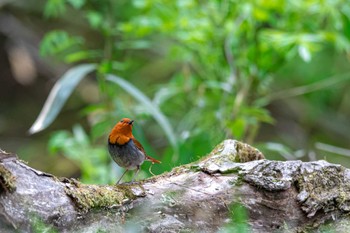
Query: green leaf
(80, 135)
(239, 217)
(54, 8)
(165, 93)
(59, 95)
(77, 4)
(304, 53)
(99, 129)
(152, 108)
(59, 42)
(95, 19)
(82, 55)
(238, 127)
(238, 223)
(58, 140)
(135, 44)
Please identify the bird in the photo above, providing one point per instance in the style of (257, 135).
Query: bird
(125, 150)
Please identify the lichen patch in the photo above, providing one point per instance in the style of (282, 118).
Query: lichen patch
(323, 188)
(7, 180)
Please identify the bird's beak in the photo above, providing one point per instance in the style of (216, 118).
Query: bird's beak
(132, 121)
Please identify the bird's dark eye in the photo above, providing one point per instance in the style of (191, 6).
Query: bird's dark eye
(121, 121)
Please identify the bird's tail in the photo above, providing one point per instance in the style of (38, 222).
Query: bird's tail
(148, 158)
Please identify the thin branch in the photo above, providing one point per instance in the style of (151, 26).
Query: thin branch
(302, 90)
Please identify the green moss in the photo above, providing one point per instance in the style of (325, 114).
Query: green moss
(88, 197)
(246, 153)
(7, 180)
(218, 149)
(238, 181)
(195, 167)
(182, 169)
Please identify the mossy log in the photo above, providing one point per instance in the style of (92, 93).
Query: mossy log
(289, 196)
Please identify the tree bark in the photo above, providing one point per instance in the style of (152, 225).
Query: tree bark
(199, 197)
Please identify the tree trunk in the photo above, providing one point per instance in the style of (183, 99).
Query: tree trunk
(205, 196)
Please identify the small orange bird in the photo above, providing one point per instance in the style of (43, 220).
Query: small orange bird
(125, 150)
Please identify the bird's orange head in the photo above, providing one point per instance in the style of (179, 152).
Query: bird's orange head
(121, 132)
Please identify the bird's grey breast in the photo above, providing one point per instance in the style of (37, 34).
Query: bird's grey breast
(127, 155)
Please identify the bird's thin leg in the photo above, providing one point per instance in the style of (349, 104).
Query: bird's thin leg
(122, 176)
(137, 172)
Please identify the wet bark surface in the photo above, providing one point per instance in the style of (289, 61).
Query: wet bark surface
(278, 196)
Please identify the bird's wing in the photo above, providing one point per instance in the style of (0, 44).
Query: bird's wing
(140, 147)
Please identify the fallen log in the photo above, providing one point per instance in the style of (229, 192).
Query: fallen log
(198, 197)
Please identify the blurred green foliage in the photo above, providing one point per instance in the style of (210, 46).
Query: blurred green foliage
(211, 66)
(73, 145)
(38, 225)
(238, 223)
